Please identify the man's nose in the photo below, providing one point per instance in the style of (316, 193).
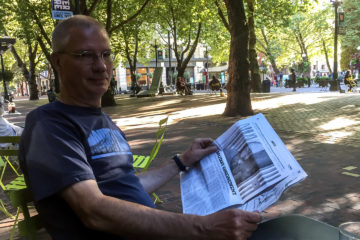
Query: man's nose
(99, 64)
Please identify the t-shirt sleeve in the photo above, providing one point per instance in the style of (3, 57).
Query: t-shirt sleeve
(55, 158)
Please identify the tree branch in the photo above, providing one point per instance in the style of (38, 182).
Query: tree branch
(38, 22)
(222, 16)
(109, 15)
(193, 48)
(129, 19)
(92, 7)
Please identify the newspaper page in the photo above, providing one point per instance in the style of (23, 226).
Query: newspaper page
(209, 187)
(258, 163)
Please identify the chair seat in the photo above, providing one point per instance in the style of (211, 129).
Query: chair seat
(297, 227)
(16, 184)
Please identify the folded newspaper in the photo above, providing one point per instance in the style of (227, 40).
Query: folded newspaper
(250, 171)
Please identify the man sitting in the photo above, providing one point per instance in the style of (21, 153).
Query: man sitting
(78, 163)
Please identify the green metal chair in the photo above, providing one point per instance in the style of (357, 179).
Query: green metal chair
(19, 194)
(142, 162)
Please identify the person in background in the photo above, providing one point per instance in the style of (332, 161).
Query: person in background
(349, 81)
(6, 128)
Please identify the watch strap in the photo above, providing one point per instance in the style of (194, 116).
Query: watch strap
(180, 165)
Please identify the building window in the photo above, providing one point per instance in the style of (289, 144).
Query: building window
(323, 67)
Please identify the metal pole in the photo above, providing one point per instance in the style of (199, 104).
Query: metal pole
(170, 70)
(155, 54)
(6, 95)
(207, 67)
(335, 72)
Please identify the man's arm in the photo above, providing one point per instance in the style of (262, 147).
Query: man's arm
(135, 221)
(153, 179)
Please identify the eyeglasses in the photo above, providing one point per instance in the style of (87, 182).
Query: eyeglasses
(89, 57)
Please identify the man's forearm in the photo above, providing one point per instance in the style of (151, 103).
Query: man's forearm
(153, 179)
(135, 221)
(127, 219)
(140, 222)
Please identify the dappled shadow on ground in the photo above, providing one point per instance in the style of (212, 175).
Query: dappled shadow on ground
(326, 194)
(320, 129)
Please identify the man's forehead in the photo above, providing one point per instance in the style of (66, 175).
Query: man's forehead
(89, 35)
(91, 30)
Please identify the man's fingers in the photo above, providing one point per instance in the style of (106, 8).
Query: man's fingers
(204, 142)
(253, 217)
(208, 150)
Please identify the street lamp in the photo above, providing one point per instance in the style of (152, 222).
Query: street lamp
(170, 68)
(336, 4)
(5, 43)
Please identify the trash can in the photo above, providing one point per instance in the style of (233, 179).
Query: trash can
(266, 86)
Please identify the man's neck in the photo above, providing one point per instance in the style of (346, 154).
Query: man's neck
(91, 103)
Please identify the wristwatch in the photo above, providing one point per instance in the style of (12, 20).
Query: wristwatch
(180, 165)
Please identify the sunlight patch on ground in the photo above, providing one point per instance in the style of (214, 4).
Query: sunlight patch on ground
(339, 123)
(306, 99)
(160, 104)
(314, 119)
(153, 121)
(333, 137)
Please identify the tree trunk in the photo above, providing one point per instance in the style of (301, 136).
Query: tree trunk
(108, 99)
(326, 56)
(180, 70)
(254, 65)
(274, 66)
(238, 86)
(34, 93)
(22, 88)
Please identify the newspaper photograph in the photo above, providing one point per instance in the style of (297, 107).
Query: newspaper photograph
(250, 171)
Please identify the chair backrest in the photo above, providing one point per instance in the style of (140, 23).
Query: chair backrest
(9, 139)
(160, 133)
(5, 154)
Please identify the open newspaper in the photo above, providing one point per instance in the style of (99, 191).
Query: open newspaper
(250, 171)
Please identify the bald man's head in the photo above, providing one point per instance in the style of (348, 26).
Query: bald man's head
(60, 35)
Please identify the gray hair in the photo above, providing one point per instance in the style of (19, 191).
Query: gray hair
(60, 35)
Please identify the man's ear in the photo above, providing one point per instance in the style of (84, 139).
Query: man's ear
(55, 61)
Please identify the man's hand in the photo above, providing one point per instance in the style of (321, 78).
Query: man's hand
(198, 149)
(233, 224)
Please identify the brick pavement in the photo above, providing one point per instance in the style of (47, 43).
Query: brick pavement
(320, 129)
